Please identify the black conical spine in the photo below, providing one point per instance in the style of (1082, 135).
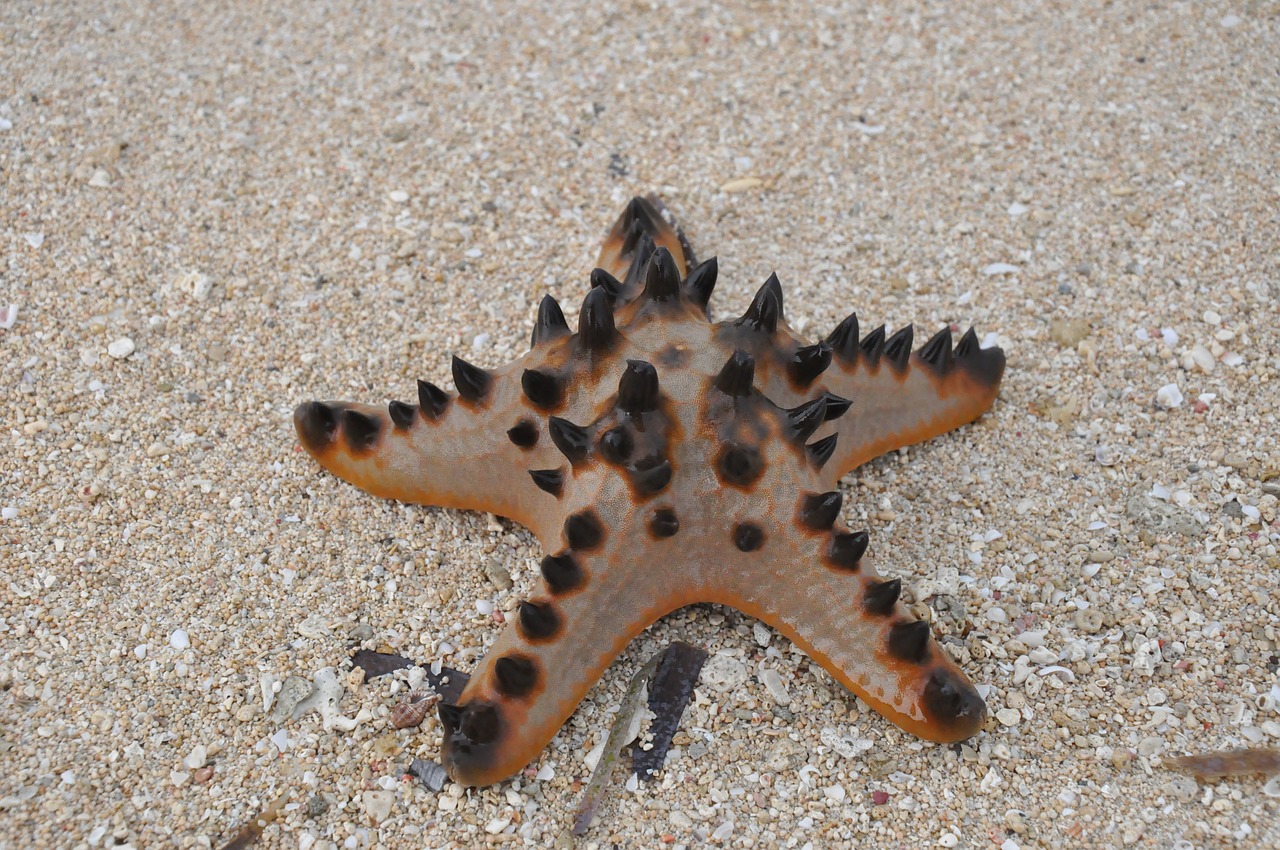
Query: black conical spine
(766, 308)
(538, 621)
(638, 391)
(403, 415)
(847, 549)
(561, 573)
(937, 351)
(601, 279)
(616, 445)
(523, 434)
(818, 511)
(701, 282)
(360, 430)
(808, 363)
(550, 323)
(634, 233)
(738, 375)
(450, 716)
(821, 451)
(596, 330)
(432, 400)
(805, 419)
(837, 406)
(880, 596)
(909, 641)
(872, 345)
(515, 675)
(662, 278)
(897, 348)
(549, 481)
(544, 390)
(480, 723)
(844, 339)
(573, 441)
(473, 383)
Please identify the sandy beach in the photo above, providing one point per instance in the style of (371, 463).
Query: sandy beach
(215, 212)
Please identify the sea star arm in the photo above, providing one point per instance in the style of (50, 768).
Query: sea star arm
(448, 450)
(805, 577)
(900, 397)
(589, 605)
(459, 450)
(819, 590)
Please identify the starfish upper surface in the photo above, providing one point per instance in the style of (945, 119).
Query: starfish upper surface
(662, 460)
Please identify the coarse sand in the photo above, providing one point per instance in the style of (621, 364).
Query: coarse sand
(215, 211)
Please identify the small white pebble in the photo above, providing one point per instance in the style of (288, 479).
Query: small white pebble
(1043, 655)
(484, 606)
(8, 315)
(761, 633)
(1169, 396)
(1016, 209)
(480, 341)
(999, 268)
(121, 348)
(1229, 21)
(280, 738)
(196, 758)
(546, 773)
(1169, 335)
(35, 240)
(1211, 317)
(948, 839)
(834, 792)
(774, 685)
(180, 641)
(6, 125)
(1010, 844)
(8, 513)
(1008, 716)
(140, 651)
(399, 196)
(1203, 359)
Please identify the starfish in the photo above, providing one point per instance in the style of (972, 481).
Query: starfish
(663, 460)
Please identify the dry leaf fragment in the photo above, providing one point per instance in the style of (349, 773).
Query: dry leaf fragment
(1221, 763)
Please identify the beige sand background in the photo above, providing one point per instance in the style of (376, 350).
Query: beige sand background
(278, 202)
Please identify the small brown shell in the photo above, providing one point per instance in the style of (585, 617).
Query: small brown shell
(414, 711)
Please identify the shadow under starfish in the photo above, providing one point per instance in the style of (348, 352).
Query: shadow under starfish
(662, 460)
